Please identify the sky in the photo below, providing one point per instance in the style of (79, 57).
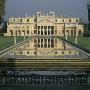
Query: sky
(72, 8)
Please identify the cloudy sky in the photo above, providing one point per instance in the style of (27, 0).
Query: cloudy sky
(73, 8)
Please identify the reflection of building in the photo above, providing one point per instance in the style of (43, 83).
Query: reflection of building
(44, 25)
(48, 47)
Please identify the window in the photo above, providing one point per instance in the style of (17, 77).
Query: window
(48, 32)
(14, 20)
(52, 32)
(20, 20)
(45, 27)
(69, 52)
(41, 40)
(52, 43)
(55, 40)
(55, 31)
(27, 52)
(11, 32)
(48, 27)
(20, 52)
(41, 32)
(41, 27)
(63, 52)
(27, 20)
(35, 52)
(45, 32)
(27, 27)
(76, 20)
(56, 20)
(35, 31)
(34, 40)
(69, 20)
(38, 45)
(35, 20)
(27, 31)
(38, 27)
(55, 52)
(63, 31)
(38, 32)
(38, 40)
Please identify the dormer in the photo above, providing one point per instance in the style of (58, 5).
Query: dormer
(52, 14)
(39, 14)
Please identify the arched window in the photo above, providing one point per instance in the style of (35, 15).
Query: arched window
(71, 32)
(79, 33)
(27, 31)
(16, 32)
(11, 32)
(23, 32)
(63, 31)
(19, 33)
(67, 32)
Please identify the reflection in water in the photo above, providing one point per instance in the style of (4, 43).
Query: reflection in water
(45, 48)
(46, 79)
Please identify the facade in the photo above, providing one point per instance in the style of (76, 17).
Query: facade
(45, 25)
(43, 31)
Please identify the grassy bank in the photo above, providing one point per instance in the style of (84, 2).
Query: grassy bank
(83, 41)
(6, 41)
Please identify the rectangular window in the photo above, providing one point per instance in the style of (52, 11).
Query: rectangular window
(20, 20)
(38, 32)
(27, 20)
(76, 20)
(41, 32)
(27, 52)
(69, 20)
(38, 27)
(35, 31)
(27, 31)
(35, 52)
(55, 31)
(35, 41)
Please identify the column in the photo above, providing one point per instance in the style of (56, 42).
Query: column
(40, 43)
(37, 30)
(43, 30)
(47, 30)
(50, 30)
(43, 42)
(47, 43)
(50, 43)
(40, 30)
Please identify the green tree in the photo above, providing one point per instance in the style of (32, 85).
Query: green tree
(2, 9)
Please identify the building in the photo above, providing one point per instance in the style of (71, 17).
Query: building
(44, 31)
(45, 25)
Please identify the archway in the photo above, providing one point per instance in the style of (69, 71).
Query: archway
(11, 32)
(19, 33)
(67, 32)
(79, 33)
(71, 32)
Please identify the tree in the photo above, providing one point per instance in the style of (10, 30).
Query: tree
(2, 9)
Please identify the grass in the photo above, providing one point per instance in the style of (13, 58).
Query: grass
(83, 41)
(6, 41)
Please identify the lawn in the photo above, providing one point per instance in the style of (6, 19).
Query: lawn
(83, 41)
(6, 41)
